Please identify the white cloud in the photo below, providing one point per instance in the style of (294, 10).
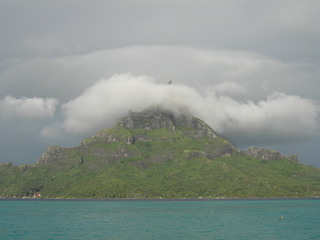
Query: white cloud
(280, 117)
(106, 100)
(27, 108)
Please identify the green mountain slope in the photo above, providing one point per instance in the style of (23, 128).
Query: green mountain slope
(159, 154)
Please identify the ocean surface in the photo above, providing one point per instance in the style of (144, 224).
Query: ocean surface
(147, 219)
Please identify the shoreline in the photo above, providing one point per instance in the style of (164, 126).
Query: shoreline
(157, 199)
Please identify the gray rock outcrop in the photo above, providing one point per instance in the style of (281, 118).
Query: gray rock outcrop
(156, 118)
(266, 154)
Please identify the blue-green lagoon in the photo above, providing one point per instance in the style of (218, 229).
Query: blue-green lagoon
(171, 219)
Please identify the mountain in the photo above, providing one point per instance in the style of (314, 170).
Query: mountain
(158, 153)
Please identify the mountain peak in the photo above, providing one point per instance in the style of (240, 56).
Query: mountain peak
(157, 117)
(154, 126)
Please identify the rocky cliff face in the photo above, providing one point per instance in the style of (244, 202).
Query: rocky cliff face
(266, 154)
(157, 118)
(56, 154)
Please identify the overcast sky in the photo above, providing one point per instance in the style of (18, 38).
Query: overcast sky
(250, 69)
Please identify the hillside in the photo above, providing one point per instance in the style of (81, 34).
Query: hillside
(159, 154)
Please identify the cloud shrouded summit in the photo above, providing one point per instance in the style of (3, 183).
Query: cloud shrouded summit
(246, 97)
(280, 117)
(249, 69)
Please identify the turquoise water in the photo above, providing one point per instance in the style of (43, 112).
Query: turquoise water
(245, 219)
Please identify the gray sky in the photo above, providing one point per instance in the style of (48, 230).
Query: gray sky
(250, 69)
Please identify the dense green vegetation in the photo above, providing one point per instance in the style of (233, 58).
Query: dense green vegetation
(183, 177)
(158, 163)
(233, 176)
